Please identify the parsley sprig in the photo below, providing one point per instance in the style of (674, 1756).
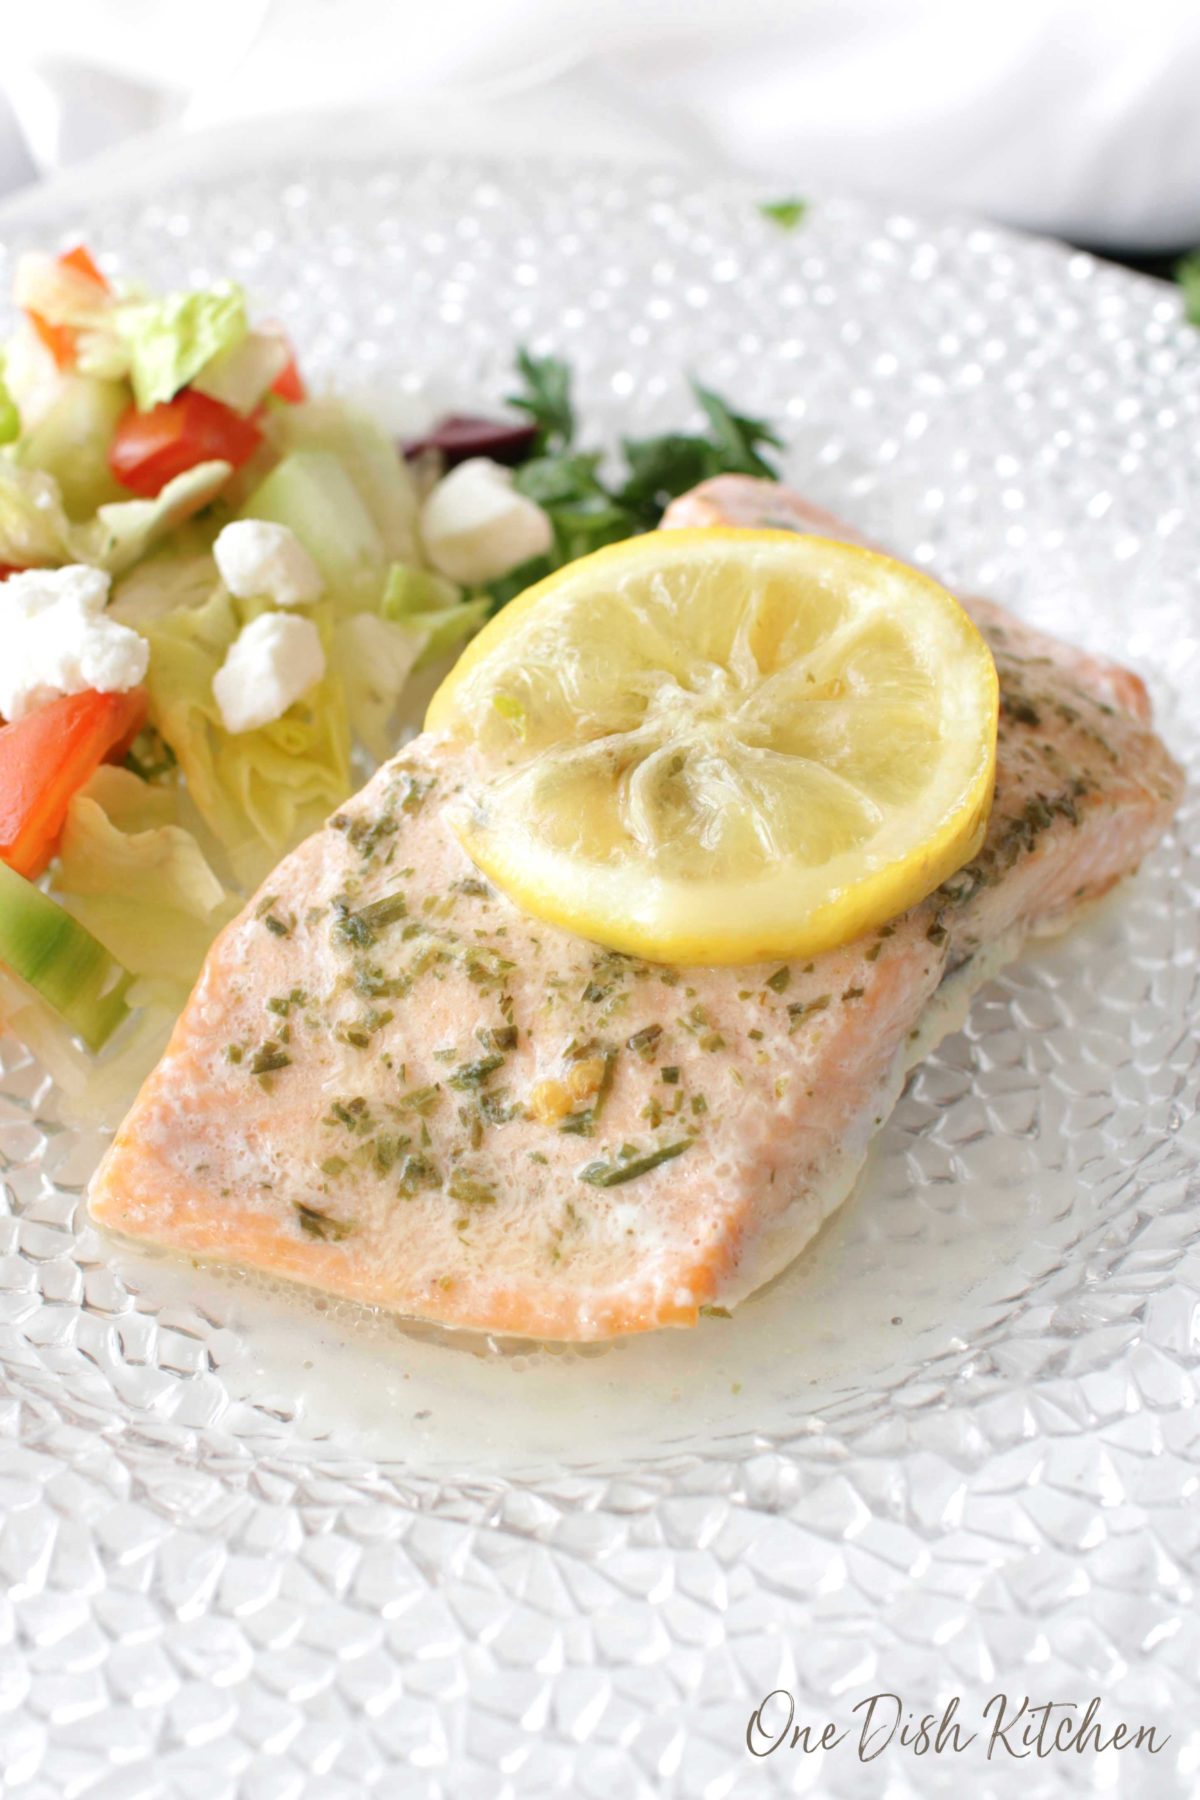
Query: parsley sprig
(589, 507)
(545, 395)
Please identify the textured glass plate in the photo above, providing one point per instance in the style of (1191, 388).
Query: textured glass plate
(254, 1545)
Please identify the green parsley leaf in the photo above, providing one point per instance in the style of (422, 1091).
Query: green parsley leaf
(589, 526)
(584, 514)
(787, 214)
(559, 480)
(660, 469)
(546, 397)
(587, 511)
(736, 437)
(507, 587)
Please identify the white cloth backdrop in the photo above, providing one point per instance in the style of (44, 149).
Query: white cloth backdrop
(1073, 116)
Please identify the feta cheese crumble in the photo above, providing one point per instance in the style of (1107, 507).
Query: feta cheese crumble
(476, 526)
(270, 665)
(258, 560)
(58, 640)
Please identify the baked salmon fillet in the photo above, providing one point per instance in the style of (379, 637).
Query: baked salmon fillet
(392, 1085)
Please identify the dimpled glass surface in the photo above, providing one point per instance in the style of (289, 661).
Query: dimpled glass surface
(984, 1474)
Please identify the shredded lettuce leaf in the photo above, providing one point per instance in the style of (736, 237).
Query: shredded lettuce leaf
(241, 375)
(34, 529)
(126, 530)
(311, 493)
(374, 658)
(434, 607)
(177, 574)
(261, 791)
(169, 341)
(446, 630)
(139, 882)
(71, 437)
(412, 590)
(368, 456)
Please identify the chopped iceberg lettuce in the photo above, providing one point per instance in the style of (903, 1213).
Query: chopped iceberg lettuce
(242, 375)
(311, 493)
(70, 441)
(410, 590)
(433, 606)
(137, 880)
(126, 530)
(169, 341)
(261, 791)
(178, 574)
(374, 658)
(34, 529)
(368, 456)
(446, 630)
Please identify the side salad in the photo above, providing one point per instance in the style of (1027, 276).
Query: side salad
(215, 589)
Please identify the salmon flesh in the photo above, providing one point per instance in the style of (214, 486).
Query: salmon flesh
(392, 1085)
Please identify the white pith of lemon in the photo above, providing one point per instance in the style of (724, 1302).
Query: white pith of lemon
(721, 746)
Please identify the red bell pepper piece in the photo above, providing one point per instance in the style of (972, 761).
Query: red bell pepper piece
(46, 758)
(151, 448)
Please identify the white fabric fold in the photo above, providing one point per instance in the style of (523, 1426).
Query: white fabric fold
(1071, 116)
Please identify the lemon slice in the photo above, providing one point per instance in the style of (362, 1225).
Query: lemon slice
(722, 746)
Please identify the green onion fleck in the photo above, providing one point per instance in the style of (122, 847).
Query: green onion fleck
(474, 1074)
(469, 1192)
(642, 1042)
(612, 1174)
(319, 1225)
